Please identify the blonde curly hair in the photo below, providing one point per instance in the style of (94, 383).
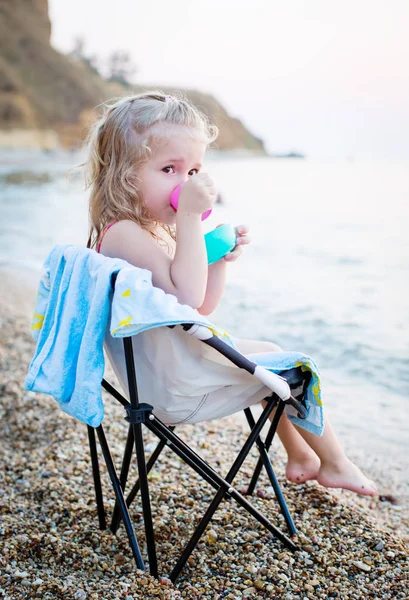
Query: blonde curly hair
(122, 139)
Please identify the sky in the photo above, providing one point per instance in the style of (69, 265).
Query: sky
(329, 78)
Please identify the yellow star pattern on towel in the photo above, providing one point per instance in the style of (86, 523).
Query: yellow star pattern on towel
(315, 390)
(39, 323)
(126, 293)
(124, 323)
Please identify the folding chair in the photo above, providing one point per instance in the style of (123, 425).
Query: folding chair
(289, 389)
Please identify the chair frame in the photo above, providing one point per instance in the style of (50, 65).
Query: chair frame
(140, 414)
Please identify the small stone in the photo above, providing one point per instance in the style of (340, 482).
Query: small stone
(261, 493)
(120, 559)
(361, 565)
(379, 546)
(20, 574)
(211, 536)
(283, 577)
(149, 448)
(80, 595)
(249, 590)
(259, 584)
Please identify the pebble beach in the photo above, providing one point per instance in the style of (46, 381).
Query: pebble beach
(51, 547)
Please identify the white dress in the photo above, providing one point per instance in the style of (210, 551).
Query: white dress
(184, 380)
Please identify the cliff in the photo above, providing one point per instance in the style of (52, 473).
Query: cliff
(46, 97)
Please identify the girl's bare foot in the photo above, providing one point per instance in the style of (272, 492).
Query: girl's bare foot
(303, 468)
(347, 476)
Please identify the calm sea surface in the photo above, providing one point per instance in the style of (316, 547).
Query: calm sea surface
(327, 272)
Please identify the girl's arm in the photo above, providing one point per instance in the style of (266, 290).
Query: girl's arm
(188, 270)
(185, 276)
(216, 280)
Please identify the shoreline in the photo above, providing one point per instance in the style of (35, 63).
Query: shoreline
(356, 540)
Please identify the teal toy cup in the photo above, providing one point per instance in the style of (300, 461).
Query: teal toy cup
(219, 242)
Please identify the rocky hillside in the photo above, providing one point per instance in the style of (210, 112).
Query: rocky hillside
(46, 97)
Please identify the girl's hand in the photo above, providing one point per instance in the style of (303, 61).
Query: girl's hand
(197, 195)
(242, 238)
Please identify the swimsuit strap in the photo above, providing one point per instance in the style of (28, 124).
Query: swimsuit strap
(103, 234)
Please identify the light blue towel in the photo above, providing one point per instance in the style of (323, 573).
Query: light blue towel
(282, 361)
(70, 320)
(137, 305)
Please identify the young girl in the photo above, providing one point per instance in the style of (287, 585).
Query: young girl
(140, 150)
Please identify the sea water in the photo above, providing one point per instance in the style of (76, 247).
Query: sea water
(327, 272)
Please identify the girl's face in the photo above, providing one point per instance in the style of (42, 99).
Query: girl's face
(177, 158)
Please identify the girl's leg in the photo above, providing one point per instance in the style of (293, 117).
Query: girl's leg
(335, 469)
(303, 464)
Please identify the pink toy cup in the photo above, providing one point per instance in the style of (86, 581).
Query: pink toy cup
(174, 201)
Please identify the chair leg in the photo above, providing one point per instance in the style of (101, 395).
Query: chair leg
(152, 459)
(97, 478)
(256, 474)
(146, 504)
(126, 461)
(119, 495)
(264, 459)
(267, 443)
(223, 486)
(217, 482)
(135, 489)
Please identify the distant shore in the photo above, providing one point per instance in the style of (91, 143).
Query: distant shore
(29, 139)
(48, 140)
